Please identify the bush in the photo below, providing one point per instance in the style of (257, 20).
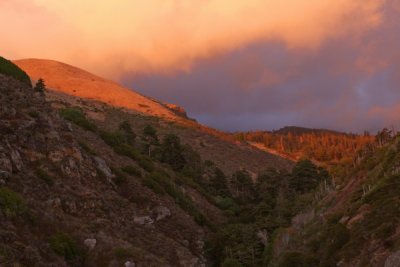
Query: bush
(146, 163)
(122, 253)
(153, 185)
(65, 246)
(78, 117)
(43, 175)
(231, 263)
(119, 178)
(297, 259)
(10, 69)
(86, 148)
(11, 204)
(132, 171)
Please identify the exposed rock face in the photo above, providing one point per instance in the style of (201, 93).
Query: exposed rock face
(103, 167)
(178, 110)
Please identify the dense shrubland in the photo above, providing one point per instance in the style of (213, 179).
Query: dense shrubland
(10, 69)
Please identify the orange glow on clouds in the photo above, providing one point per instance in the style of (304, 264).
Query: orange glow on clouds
(112, 37)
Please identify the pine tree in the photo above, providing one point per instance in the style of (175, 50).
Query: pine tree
(40, 86)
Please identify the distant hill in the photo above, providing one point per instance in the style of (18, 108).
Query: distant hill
(332, 149)
(296, 130)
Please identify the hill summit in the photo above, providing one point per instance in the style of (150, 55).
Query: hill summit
(71, 80)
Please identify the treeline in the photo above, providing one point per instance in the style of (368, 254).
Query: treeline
(318, 145)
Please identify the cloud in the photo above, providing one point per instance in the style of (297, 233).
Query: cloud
(114, 37)
(350, 83)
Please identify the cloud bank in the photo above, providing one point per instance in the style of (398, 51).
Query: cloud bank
(164, 36)
(349, 83)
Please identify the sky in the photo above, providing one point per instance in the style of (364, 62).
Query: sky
(233, 65)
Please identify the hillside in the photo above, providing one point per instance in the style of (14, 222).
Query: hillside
(86, 183)
(74, 81)
(355, 225)
(331, 149)
(68, 85)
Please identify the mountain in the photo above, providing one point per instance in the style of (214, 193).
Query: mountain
(87, 183)
(69, 85)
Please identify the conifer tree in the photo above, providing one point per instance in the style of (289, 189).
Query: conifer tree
(40, 86)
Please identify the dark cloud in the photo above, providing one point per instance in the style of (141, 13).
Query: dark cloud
(350, 83)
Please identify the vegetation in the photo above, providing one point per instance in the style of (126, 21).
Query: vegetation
(11, 204)
(132, 171)
(40, 87)
(263, 208)
(78, 117)
(65, 246)
(10, 69)
(43, 175)
(336, 150)
(172, 152)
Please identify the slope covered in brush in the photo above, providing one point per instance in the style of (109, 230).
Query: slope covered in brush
(10, 69)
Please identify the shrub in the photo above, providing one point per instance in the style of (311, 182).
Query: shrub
(65, 246)
(146, 163)
(122, 253)
(43, 175)
(10, 69)
(86, 148)
(132, 171)
(297, 259)
(11, 204)
(78, 117)
(231, 263)
(119, 178)
(153, 185)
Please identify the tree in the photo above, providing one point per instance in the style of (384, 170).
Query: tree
(129, 134)
(172, 152)
(306, 176)
(151, 138)
(218, 183)
(40, 86)
(243, 183)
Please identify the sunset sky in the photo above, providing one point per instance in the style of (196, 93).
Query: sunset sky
(233, 65)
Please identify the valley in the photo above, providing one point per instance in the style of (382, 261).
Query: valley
(94, 174)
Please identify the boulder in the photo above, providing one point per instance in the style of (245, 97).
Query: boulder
(16, 159)
(143, 220)
(393, 260)
(103, 167)
(90, 243)
(5, 163)
(161, 212)
(129, 264)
